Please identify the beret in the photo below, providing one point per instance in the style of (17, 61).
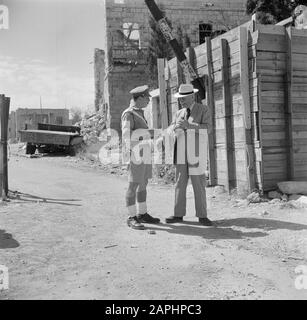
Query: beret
(138, 91)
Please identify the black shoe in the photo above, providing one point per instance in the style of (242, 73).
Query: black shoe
(205, 222)
(173, 219)
(134, 223)
(147, 218)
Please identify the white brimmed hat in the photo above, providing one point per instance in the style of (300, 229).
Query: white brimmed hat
(185, 90)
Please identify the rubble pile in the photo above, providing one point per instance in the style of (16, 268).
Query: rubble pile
(291, 193)
(287, 195)
(91, 128)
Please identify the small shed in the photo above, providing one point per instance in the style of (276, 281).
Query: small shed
(256, 81)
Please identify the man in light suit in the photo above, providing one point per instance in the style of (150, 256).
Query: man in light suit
(190, 151)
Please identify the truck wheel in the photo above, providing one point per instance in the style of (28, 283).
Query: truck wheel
(30, 148)
(72, 151)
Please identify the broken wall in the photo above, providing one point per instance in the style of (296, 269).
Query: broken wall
(99, 73)
(127, 36)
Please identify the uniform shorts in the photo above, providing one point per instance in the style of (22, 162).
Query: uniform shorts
(139, 172)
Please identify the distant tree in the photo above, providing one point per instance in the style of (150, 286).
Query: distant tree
(272, 11)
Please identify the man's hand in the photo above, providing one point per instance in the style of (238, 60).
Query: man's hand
(182, 124)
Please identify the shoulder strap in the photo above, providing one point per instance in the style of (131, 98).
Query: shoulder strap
(134, 113)
(126, 111)
(139, 116)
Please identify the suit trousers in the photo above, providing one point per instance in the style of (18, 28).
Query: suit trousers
(199, 188)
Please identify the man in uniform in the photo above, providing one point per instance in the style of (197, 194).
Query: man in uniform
(190, 140)
(135, 133)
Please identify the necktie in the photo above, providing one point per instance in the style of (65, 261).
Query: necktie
(188, 113)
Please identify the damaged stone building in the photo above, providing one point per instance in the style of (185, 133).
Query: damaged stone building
(122, 64)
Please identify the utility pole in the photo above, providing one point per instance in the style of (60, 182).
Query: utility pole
(4, 119)
(168, 35)
(40, 104)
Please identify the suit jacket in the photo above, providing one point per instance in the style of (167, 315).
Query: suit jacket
(191, 146)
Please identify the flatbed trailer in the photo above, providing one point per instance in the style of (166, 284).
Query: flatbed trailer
(50, 138)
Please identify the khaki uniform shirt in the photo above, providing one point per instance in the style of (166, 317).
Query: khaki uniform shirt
(132, 121)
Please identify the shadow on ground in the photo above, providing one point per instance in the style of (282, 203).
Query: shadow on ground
(266, 224)
(209, 233)
(26, 197)
(7, 241)
(224, 230)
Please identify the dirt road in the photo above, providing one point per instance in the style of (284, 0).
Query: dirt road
(65, 237)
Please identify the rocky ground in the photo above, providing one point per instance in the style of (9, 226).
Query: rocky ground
(63, 235)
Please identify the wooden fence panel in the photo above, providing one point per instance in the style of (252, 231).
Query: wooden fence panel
(257, 94)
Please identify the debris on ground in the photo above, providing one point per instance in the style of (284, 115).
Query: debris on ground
(274, 195)
(291, 195)
(265, 213)
(219, 190)
(164, 173)
(254, 197)
(111, 246)
(296, 258)
(291, 205)
(275, 201)
(241, 203)
(301, 200)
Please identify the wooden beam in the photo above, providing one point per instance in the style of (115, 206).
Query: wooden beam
(211, 106)
(2, 103)
(162, 88)
(288, 103)
(244, 86)
(244, 76)
(155, 112)
(168, 90)
(4, 139)
(285, 22)
(227, 112)
(4, 116)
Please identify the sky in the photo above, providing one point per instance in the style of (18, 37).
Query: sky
(48, 51)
